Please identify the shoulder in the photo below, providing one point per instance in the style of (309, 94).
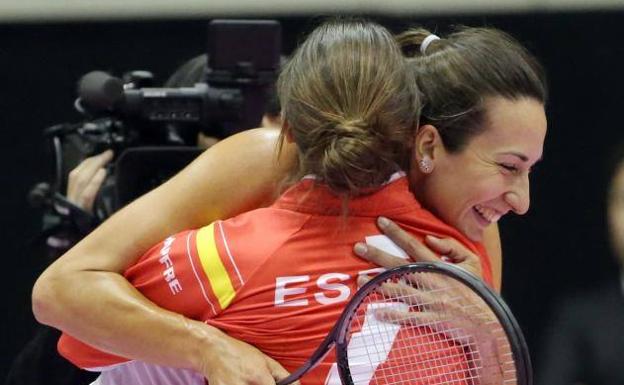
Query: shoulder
(257, 233)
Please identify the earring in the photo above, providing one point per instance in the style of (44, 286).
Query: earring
(425, 165)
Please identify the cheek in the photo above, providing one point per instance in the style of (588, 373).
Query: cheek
(449, 197)
(465, 180)
(455, 188)
(436, 195)
(486, 190)
(475, 188)
(487, 182)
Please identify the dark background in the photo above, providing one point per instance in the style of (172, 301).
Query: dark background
(559, 248)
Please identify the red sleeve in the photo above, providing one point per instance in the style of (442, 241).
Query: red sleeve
(171, 275)
(198, 273)
(85, 356)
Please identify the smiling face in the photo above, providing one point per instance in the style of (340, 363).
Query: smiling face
(474, 187)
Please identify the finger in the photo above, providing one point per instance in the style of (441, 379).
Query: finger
(413, 291)
(429, 282)
(87, 196)
(412, 319)
(432, 320)
(80, 176)
(417, 251)
(362, 280)
(97, 161)
(377, 256)
(277, 370)
(103, 158)
(458, 254)
(446, 247)
(407, 294)
(72, 181)
(452, 248)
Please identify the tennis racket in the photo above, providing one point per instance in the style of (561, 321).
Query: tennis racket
(425, 323)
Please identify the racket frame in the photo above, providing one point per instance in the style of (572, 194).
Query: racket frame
(519, 348)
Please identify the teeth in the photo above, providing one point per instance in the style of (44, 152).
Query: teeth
(488, 214)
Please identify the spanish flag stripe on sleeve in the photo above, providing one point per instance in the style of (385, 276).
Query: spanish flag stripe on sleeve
(191, 244)
(213, 267)
(230, 265)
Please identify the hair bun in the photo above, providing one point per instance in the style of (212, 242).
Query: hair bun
(352, 128)
(350, 103)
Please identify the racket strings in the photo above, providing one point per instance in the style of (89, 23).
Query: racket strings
(427, 329)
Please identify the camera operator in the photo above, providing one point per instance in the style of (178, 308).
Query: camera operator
(38, 362)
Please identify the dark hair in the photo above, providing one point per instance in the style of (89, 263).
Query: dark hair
(351, 105)
(457, 73)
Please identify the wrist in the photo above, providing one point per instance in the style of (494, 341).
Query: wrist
(204, 341)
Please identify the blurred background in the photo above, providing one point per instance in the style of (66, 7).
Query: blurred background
(559, 250)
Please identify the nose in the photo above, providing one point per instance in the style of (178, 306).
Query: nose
(519, 197)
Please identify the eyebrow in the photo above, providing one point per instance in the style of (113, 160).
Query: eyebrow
(521, 156)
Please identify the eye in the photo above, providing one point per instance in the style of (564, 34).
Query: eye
(509, 167)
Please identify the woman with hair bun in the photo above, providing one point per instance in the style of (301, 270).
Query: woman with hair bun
(350, 105)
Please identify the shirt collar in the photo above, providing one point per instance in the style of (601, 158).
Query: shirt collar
(311, 196)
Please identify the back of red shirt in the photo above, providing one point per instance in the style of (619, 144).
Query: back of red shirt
(279, 277)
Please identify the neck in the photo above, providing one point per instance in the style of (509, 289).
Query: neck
(417, 183)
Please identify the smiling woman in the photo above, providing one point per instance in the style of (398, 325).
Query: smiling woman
(483, 125)
(488, 178)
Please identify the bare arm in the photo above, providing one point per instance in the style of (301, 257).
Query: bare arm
(492, 243)
(235, 175)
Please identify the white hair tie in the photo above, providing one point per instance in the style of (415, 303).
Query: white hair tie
(425, 43)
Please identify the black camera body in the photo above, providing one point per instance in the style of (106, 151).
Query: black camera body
(242, 66)
(140, 123)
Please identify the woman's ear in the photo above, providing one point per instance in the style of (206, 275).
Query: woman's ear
(427, 143)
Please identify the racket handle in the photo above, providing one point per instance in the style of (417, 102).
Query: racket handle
(297, 374)
(287, 380)
(316, 359)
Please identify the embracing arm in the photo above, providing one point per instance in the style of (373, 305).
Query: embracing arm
(84, 293)
(492, 243)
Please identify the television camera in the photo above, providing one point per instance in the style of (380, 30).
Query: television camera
(146, 126)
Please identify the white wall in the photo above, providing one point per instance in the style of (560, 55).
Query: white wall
(60, 10)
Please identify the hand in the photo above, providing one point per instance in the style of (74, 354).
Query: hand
(472, 326)
(233, 362)
(445, 306)
(451, 250)
(85, 180)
